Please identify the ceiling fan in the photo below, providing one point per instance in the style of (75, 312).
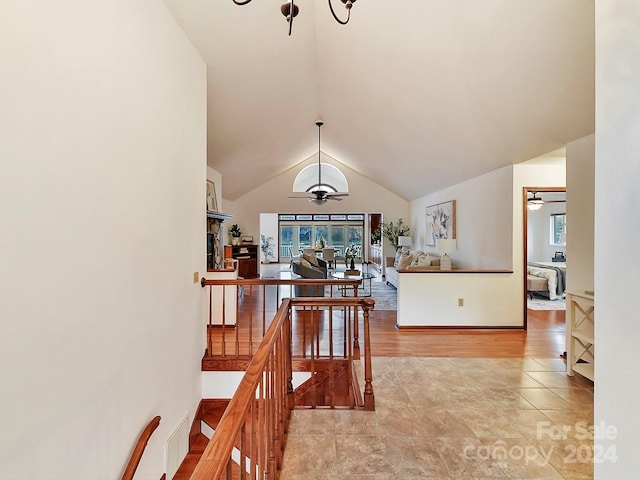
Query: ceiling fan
(535, 202)
(319, 193)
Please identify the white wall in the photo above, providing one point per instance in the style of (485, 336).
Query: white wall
(580, 213)
(433, 299)
(102, 186)
(617, 264)
(490, 220)
(364, 196)
(483, 220)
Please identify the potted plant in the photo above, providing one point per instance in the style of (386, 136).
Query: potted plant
(265, 246)
(235, 233)
(375, 236)
(391, 232)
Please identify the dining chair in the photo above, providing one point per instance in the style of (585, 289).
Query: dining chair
(309, 251)
(292, 257)
(328, 255)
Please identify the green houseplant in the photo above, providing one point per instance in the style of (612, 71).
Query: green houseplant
(391, 232)
(235, 233)
(266, 247)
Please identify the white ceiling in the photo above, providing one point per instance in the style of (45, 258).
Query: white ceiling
(416, 95)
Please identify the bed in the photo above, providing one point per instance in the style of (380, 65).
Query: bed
(548, 278)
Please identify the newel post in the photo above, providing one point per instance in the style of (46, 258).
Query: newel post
(369, 398)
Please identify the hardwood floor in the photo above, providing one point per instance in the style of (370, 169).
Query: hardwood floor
(543, 339)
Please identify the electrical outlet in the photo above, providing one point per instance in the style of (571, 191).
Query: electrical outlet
(195, 277)
(461, 302)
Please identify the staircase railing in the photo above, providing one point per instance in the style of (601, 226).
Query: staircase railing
(249, 440)
(138, 449)
(239, 312)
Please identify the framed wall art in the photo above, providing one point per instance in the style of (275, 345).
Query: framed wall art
(212, 202)
(441, 222)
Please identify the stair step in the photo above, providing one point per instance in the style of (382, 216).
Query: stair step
(187, 466)
(199, 443)
(212, 410)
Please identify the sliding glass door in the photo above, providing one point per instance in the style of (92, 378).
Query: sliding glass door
(298, 231)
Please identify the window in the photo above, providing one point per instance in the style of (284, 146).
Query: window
(304, 236)
(298, 231)
(558, 229)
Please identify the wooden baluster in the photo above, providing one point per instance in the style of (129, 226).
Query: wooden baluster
(356, 331)
(243, 452)
(222, 328)
(350, 358)
(237, 329)
(313, 364)
(210, 322)
(289, 365)
(332, 381)
(275, 438)
(253, 447)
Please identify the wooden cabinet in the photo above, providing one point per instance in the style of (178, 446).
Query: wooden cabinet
(579, 333)
(247, 256)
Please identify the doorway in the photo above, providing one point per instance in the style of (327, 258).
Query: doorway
(544, 243)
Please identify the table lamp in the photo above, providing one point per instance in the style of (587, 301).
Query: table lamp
(404, 242)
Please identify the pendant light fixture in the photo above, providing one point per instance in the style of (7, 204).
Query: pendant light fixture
(322, 190)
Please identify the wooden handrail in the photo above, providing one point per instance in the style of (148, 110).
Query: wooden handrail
(138, 450)
(281, 281)
(215, 457)
(265, 397)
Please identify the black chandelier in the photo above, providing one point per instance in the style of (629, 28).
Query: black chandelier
(290, 10)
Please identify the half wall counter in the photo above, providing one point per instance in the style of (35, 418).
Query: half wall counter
(459, 298)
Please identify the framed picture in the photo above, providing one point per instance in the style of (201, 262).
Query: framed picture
(246, 239)
(212, 202)
(441, 222)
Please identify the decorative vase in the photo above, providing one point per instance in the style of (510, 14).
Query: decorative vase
(235, 241)
(353, 264)
(445, 262)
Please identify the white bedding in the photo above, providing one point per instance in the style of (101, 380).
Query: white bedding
(550, 275)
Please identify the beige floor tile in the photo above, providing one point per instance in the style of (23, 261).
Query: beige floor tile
(577, 397)
(309, 455)
(553, 379)
(362, 454)
(543, 398)
(554, 364)
(447, 418)
(533, 365)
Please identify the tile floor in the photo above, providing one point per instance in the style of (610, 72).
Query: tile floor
(451, 418)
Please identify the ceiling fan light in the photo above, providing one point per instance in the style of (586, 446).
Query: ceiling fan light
(535, 203)
(319, 192)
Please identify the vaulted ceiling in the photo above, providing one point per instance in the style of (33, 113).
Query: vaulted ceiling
(416, 95)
